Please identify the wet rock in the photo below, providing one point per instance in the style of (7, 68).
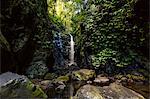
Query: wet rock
(123, 79)
(83, 74)
(18, 86)
(60, 83)
(62, 79)
(113, 91)
(60, 88)
(88, 92)
(101, 80)
(130, 78)
(78, 84)
(118, 76)
(89, 82)
(136, 77)
(117, 91)
(143, 89)
(47, 86)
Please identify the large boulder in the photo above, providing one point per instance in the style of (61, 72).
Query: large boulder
(83, 74)
(17, 86)
(113, 91)
(88, 92)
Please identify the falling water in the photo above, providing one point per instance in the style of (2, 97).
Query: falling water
(58, 50)
(71, 50)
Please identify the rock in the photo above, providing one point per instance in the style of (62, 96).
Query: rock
(47, 86)
(102, 80)
(113, 91)
(50, 76)
(140, 88)
(17, 86)
(118, 76)
(37, 70)
(88, 92)
(123, 79)
(117, 91)
(78, 84)
(125, 92)
(60, 83)
(45, 82)
(83, 74)
(61, 87)
(89, 82)
(62, 79)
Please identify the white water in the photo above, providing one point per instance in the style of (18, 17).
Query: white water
(71, 50)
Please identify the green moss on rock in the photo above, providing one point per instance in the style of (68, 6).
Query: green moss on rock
(50, 76)
(62, 79)
(18, 86)
(83, 74)
(36, 91)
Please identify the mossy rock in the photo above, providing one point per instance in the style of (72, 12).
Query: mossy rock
(17, 86)
(119, 76)
(136, 77)
(83, 74)
(35, 90)
(63, 79)
(88, 92)
(50, 76)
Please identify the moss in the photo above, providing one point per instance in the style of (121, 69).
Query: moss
(35, 90)
(134, 77)
(119, 76)
(62, 79)
(39, 93)
(83, 74)
(50, 76)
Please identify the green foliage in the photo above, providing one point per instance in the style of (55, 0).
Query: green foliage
(105, 26)
(109, 31)
(61, 12)
(120, 59)
(108, 26)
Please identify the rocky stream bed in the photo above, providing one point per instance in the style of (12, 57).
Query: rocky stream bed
(79, 84)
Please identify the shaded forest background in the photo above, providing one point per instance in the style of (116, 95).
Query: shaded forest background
(105, 32)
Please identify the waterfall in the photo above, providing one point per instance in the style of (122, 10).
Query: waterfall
(71, 50)
(58, 50)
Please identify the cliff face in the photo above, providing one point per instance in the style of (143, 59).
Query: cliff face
(22, 21)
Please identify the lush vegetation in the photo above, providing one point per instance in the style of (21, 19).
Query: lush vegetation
(105, 28)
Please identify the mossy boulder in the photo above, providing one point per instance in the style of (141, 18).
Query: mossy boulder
(83, 74)
(136, 77)
(88, 92)
(17, 86)
(50, 76)
(131, 76)
(62, 79)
